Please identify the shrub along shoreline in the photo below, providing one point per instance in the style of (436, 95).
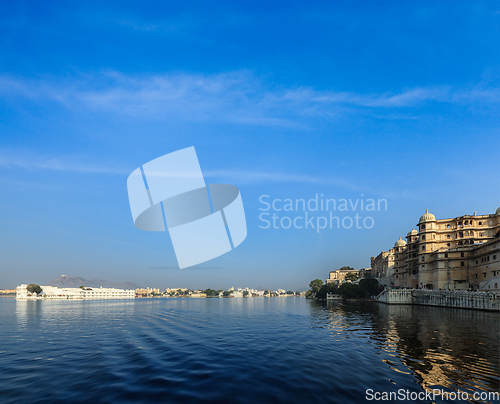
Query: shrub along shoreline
(363, 289)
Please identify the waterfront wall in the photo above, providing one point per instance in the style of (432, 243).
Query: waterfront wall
(395, 296)
(442, 298)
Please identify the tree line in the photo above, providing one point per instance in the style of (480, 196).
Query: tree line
(366, 287)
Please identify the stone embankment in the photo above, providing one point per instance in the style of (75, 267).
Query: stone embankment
(442, 298)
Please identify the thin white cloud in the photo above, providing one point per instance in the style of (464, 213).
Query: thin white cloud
(262, 176)
(36, 163)
(236, 97)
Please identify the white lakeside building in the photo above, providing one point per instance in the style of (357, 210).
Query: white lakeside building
(54, 292)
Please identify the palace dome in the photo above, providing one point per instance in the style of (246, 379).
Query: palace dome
(497, 212)
(427, 217)
(413, 232)
(400, 243)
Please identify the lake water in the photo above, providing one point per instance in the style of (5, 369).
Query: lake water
(250, 350)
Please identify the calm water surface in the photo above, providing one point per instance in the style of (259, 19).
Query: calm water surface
(255, 350)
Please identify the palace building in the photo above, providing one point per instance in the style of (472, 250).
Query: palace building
(449, 254)
(339, 276)
(54, 292)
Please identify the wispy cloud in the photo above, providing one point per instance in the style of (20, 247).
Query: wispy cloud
(142, 26)
(238, 97)
(261, 176)
(195, 268)
(35, 162)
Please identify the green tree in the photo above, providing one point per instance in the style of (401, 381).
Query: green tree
(81, 287)
(351, 277)
(351, 291)
(370, 286)
(211, 292)
(266, 292)
(245, 293)
(290, 292)
(315, 285)
(325, 289)
(33, 288)
(347, 268)
(226, 293)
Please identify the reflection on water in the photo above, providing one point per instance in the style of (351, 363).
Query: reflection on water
(449, 349)
(63, 313)
(266, 350)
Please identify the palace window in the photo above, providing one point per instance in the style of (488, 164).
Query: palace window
(423, 237)
(480, 223)
(460, 243)
(466, 222)
(494, 257)
(460, 234)
(484, 274)
(461, 254)
(422, 227)
(448, 236)
(448, 244)
(462, 264)
(446, 255)
(423, 258)
(423, 248)
(477, 261)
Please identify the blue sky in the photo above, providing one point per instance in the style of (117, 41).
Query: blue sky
(393, 100)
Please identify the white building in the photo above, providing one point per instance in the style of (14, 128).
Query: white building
(54, 292)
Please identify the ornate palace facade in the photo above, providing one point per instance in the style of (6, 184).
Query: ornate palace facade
(457, 253)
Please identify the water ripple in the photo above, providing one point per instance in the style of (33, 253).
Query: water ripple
(285, 350)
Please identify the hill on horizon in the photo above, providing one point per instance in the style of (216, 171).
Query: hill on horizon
(65, 281)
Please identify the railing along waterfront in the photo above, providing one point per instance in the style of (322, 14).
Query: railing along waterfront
(443, 298)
